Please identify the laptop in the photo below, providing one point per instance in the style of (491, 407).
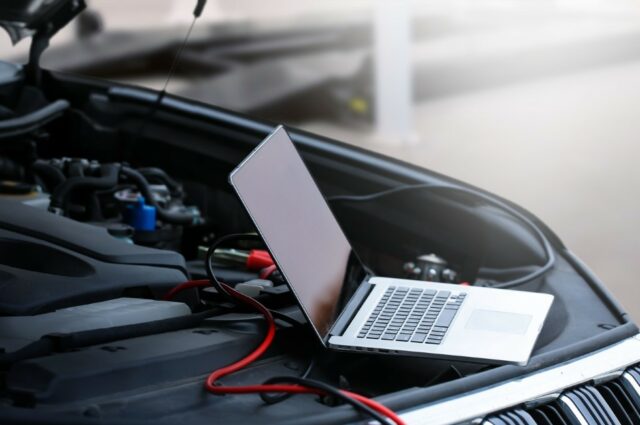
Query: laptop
(351, 310)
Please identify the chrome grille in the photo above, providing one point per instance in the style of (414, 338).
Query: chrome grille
(614, 402)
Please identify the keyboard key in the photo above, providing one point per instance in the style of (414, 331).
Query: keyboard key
(445, 318)
(433, 341)
(419, 337)
(388, 337)
(403, 337)
(373, 336)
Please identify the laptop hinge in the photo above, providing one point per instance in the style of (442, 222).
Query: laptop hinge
(350, 310)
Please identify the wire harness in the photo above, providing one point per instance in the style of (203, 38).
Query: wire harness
(275, 385)
(546, 245)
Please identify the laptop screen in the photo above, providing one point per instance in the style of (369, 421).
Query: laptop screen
(297, 226)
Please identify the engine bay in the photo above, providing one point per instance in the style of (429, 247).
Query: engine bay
(103, 212)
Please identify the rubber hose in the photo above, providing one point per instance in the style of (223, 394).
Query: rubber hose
(52, 175)
(161, 175)
(143, 186)
(107, 180)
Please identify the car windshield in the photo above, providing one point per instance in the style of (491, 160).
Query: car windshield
(535, 101)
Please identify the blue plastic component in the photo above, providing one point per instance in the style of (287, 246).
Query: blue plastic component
(140, 216)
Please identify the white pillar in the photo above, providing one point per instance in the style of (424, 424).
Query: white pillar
(392, 72)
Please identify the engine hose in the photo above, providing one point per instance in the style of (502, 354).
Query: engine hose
(161, 175)
(163, 214)
(53, 176)
(107, 180)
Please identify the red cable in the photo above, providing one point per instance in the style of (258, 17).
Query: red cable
(186, 285)
(210, 383)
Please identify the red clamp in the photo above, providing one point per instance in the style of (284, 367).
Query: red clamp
(258, 259)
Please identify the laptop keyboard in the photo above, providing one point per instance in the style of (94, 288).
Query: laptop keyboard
(416, 315)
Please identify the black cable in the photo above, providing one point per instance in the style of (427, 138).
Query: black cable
(330, 390)
(208, 266)
(278, 315)
(434, 186)
(277, 398)
(218, 285)
(302, 381)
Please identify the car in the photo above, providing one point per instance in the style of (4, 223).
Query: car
(111, 197)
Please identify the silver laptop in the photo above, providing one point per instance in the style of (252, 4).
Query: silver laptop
(353, 311)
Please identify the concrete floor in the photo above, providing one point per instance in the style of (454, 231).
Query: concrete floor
(566, 148)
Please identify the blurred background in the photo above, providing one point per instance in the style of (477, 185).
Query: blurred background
(537, 101)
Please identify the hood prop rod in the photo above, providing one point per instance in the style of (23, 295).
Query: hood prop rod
(176, 60)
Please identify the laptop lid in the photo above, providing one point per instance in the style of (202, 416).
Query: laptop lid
(297, 226)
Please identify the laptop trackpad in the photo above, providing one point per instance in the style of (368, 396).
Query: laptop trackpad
(498, 321)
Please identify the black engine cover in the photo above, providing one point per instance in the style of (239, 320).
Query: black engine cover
(49, 262)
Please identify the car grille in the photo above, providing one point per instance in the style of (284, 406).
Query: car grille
(613, 402)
